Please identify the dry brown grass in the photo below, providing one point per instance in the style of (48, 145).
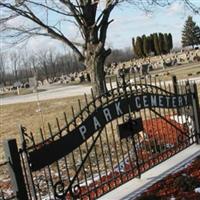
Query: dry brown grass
(182, 72)
(26, 114)
(22, 91)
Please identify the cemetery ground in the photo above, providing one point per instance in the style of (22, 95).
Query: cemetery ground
(34, 115)
(182, 72)
(58, 90)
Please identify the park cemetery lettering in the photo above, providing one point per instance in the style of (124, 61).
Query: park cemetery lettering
(98, 119)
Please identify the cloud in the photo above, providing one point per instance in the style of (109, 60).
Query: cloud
(127, 22)
(175, 8)
(40, 43)
(126, 25)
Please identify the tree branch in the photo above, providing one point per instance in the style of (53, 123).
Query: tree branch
(50, 31)
(49, 8)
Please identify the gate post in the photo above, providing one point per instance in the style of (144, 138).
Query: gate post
(196, 108)
(15, 169)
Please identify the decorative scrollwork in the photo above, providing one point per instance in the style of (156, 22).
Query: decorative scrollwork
(76, 191)
(42, 181)
(59, 190)
(27, 138)
(61, 193)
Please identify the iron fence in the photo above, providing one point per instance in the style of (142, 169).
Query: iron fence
(114, 138)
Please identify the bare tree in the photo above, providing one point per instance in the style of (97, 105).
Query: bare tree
(25, 65)
(33, 64)
(92, 17)
(43, 63)
(2, 68)
(52, 63)
(120, 55)
(15, 62)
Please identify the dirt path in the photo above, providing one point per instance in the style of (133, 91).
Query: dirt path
(57, 92)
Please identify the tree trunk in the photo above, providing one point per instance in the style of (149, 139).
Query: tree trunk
(98, 76)
(95, 65)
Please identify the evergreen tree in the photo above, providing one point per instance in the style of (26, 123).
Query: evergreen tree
(166, 43)
(139, 47)
(170, 41)
(143, 39)
(197, 34)
(190, 33)
(151, 38)
(146, 45)
(134, 47)
(156, 44)
(161, 43)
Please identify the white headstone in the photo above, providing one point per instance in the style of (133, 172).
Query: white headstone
(17, 84)
(32, 82)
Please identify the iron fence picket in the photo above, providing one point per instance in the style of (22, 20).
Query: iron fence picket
(49, 178)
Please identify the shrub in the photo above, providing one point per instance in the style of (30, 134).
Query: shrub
(186, 183)
(149, 197)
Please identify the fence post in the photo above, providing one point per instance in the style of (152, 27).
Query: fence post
(29, 173)
(175, 87)
(15, 169)
(175, 84)
(196, 109)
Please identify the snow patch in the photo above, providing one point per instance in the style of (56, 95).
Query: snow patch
(197, 190)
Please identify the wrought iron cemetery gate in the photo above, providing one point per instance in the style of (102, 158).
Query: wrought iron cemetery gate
(112, 139)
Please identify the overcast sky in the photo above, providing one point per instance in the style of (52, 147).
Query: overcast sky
(129, 22)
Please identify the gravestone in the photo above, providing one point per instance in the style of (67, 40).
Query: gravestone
(17, 84)
(45, 82)
(144, 69)
(33, 83)
(1, 88)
